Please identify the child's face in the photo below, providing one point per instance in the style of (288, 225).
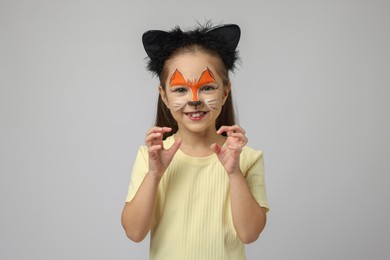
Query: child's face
(194, 91)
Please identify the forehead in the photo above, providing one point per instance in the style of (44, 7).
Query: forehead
(192, 65)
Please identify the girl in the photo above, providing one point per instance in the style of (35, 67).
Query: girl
(195, 184)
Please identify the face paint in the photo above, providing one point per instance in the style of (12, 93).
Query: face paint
(207, 77)
(179, 105)
(213, 104)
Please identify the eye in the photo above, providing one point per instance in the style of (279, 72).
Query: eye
(180, 90)
(207, 88)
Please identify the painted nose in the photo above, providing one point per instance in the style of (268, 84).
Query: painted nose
(196, 104)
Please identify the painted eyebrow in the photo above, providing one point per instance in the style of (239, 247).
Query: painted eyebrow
(207, 77)
(177, 79)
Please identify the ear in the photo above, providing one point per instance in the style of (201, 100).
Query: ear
(163, 96)
(154, 42)
(229, 32)
(226, 91)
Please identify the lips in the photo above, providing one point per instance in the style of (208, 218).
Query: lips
(196, 115)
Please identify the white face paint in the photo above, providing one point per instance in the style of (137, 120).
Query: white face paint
(213, 104)
(179, 105)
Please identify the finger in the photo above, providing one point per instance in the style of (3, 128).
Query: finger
(238, 129)
(152, 149)
(175, 146)
(158, 129)
(235, 147)
(153, 138)
(222, 129)
(215, 147)
(234, 128)
(166, 129)
(243, 140)
(154, 129)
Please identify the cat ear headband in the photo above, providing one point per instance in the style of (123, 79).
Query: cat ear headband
(222, 40)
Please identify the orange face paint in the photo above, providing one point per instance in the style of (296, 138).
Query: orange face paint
(207, 77)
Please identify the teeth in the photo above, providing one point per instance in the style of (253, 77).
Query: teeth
(198, 114)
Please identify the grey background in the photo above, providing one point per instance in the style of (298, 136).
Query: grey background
(75, 102)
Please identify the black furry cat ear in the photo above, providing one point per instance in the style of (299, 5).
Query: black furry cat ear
(221, 40)
(229, 33)
(154, 42)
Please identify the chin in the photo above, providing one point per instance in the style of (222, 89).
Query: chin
(199, 128)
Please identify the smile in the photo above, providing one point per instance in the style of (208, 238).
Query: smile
(196, 115)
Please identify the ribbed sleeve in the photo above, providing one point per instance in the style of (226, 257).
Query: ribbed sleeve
(140, 169)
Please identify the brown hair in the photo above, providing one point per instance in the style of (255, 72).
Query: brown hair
(163, 114)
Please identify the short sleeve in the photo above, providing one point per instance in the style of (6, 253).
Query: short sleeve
(140, 169)
(253, 169)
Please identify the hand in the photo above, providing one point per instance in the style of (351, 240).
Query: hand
(229, 155)
(159, 157)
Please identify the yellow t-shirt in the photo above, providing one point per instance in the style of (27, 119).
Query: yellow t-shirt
(193, 217)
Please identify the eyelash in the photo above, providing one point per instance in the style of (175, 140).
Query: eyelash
(180, 90)
(208, 88)
(204, 88)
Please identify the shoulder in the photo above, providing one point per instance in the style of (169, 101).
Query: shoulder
(249, 157)
(143, 150)
(249, 153)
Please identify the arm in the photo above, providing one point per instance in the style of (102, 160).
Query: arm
(249, 218)
(138, 214)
